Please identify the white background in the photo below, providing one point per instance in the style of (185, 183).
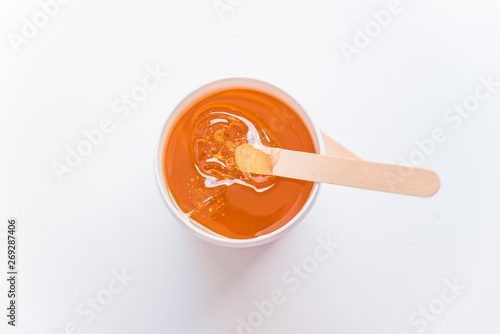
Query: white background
(395, 251)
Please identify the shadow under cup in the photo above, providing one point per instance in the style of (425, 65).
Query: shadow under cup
(166, 134)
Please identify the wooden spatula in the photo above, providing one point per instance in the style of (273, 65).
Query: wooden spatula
(341, 171)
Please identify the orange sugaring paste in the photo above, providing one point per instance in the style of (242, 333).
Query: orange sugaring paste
(201, 172)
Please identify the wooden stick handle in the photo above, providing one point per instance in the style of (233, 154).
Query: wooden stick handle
(333, 148)
(354, 173)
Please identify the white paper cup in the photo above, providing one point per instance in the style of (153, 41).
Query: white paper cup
(199, 230)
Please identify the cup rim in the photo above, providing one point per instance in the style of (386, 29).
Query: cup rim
(210, 87)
